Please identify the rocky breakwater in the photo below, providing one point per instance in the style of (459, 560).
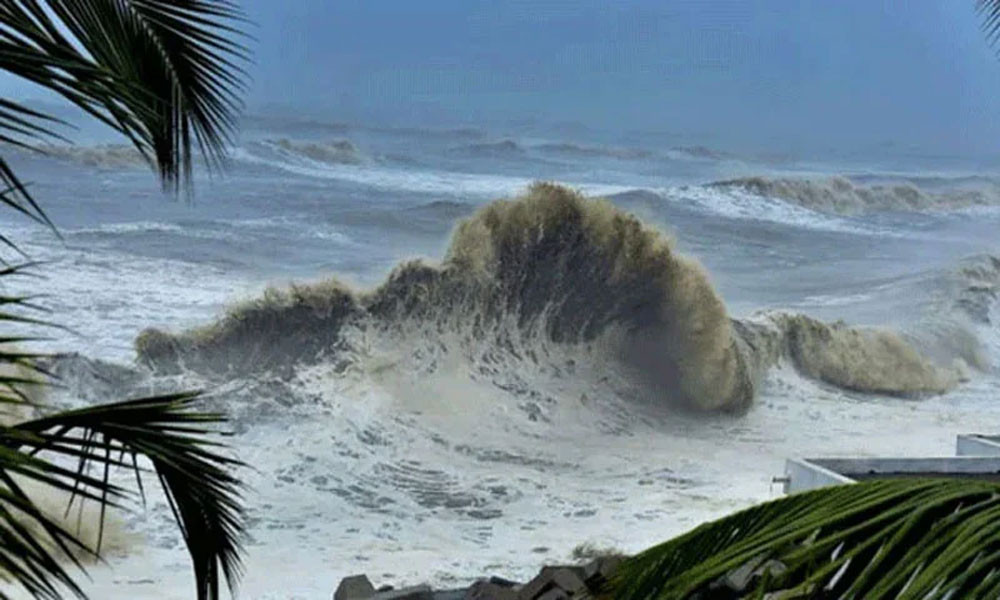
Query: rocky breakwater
(552, 583)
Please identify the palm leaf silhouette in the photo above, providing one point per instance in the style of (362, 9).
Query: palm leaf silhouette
(167, 75)
(895, 538)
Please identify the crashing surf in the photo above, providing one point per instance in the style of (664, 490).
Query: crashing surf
(541, 277)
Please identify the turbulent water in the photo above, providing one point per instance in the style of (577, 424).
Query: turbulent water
(440, 368)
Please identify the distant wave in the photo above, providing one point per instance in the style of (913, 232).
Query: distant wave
(104, 156)
(552, 281)
(274, 122)
(500, 149)
(570, 149)
(335, 152)
(701, 152)
(132, 227)
(382, 176)
(122, 156)
(737, 203)
(458, 133)
(442, 209)
(841, 196)
(584, 151)
(927, 180)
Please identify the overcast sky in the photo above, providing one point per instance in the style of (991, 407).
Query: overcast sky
(837, 72)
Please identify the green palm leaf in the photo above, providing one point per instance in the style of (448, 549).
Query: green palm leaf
(927, 539)
(989, 11)
(196, 477)
(165, 73)
(75, 451)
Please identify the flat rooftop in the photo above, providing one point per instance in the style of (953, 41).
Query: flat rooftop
(809, 473)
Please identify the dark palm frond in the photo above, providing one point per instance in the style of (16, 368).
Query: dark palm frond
(21, 371)
(25, 557)
(165, 73)
(19, 124)
(926, 539)
(196, 477)
(198, 480)
(989, 12)
(14, 194)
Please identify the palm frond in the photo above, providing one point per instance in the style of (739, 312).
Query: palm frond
(164, 73)
(75, 451)
(196, 477)
(989, 12)
(21, 371)
(14, 194)
(927, 539)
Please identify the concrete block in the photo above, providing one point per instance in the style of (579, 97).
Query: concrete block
(598, 571)
(739, 578)
(569, 580)
(805, 474)
(487, 590)
(977, 445)
(355, 587)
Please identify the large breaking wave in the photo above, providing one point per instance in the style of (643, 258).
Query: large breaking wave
(551, 279)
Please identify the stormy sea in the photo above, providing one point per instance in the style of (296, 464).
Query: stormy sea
(449, 353)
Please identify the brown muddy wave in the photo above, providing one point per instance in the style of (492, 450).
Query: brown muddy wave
(553, 269)
(841, 196)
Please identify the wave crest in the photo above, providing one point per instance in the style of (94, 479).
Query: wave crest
(103, 156)
(584, 151)
(860, 359)
(527, 279)
(335, 152)
(499, 149)
(839, 195)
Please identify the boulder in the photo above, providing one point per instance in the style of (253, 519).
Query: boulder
(355, 587)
